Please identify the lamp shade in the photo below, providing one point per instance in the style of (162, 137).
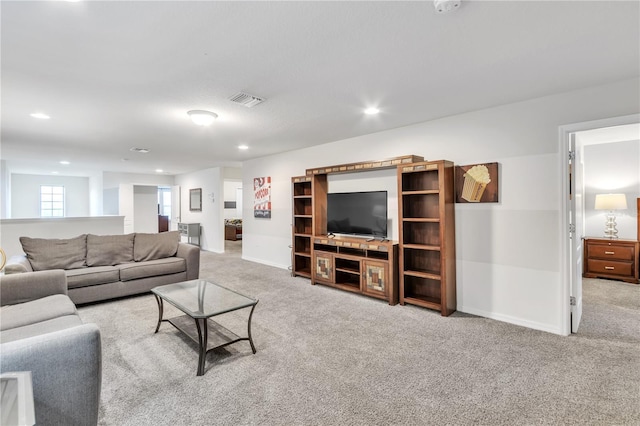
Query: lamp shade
(611, 202)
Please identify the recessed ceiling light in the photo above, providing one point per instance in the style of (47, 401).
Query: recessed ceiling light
(243, 147)
(40, 115)
(140, 150)
(159, 170)
(54, 173)
(202, 117)
(66, 163)
(371, 111)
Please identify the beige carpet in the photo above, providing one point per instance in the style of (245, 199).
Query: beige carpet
(326, 357)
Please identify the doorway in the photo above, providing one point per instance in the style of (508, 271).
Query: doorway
(573, 139)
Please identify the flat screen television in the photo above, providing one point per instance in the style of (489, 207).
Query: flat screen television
(357, 213)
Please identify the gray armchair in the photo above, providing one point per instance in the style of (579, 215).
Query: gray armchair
(41, 332)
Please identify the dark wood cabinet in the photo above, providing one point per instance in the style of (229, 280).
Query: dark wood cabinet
(352, 264)
(302, 226)
(613, 259)
(427, 266)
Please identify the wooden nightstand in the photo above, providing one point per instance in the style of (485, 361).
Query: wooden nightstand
(614, 259)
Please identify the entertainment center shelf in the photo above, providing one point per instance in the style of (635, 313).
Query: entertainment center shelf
(356, 265)
(418, 269)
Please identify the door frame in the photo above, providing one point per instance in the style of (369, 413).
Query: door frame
(564, 137)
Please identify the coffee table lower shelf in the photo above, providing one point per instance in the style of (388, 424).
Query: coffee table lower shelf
(218, 336)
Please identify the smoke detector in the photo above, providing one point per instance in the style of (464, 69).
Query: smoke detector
(246, 99)
(445, 6)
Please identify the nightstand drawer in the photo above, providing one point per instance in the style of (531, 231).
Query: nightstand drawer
(596, 266)
(611, 252)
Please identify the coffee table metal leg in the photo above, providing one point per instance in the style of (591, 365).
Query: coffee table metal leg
(253, 348)
(160, 310)
(203, 334)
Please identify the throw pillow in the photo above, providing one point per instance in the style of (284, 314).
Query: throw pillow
(155, 246)
(107, 250)
(51, 253)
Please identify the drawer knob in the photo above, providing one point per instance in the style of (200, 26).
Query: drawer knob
(609, 252)
(609, 267)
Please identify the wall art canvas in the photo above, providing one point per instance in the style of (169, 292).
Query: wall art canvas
(262, 197)
(477, 183)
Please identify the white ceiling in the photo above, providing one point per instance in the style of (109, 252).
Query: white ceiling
(114, 75)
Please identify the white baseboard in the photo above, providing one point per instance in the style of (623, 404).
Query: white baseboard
(512, 320)
(262, 262)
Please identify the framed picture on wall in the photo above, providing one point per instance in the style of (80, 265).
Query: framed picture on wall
(195, 200)
(477, 183)
(262, 197)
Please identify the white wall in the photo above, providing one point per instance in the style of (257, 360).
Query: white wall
(96, 198)
(507, 253)
(211, 217)
(25, 198)
(5, 190)
(231, 187)
(112, 180)
(145, 208)
(612, 168)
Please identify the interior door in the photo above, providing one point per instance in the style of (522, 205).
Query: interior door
(175, 207)
(576, 221)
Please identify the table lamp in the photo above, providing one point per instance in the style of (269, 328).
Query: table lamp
(611, 202)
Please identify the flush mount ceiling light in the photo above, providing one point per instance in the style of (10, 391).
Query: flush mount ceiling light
(202, 117)
(64, 163)
(40, 115)
(445, 6)
(243, 147)
(372, 111)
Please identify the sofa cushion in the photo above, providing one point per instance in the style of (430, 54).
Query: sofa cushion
(155, 246)
(152, 268)
(92, 276)
(51, 253)
(40, 328)
(103, 250)
(35, 311)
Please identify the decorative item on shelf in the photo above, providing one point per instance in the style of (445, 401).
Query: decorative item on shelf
(611, 202)
(477, 183)
(262, 197)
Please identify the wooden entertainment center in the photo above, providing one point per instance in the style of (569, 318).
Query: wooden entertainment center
(418, 269)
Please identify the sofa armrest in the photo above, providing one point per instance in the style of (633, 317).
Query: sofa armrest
(191, 254)
(20, 288)
(66, 370)
(18, 264)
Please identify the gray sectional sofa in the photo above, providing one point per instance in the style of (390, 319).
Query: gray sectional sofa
(41, 332)
(100, 267)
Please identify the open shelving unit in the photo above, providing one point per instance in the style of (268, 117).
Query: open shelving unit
(427, 235)
(302, 225)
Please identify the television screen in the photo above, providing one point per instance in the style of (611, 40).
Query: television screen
(357, 213)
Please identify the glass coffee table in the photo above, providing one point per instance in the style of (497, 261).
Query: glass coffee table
(200, 300)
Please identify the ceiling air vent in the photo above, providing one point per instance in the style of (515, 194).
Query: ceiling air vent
(246, 99)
